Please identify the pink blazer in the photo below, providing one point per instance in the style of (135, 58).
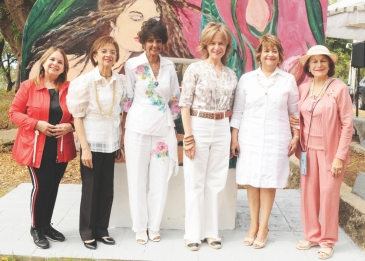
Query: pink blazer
(337, 121)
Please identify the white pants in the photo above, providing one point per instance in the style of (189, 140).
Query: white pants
(205, 177)
(147, 172)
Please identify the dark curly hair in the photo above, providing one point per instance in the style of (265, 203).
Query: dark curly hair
(155, 28)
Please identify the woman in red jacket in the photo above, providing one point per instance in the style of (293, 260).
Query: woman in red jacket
(44, 141)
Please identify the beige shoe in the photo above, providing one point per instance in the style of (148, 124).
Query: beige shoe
(141, 237)
(325, 252)
(192, 246)
(305, 244)
(213, 243)
(154, 236)
(248, 241)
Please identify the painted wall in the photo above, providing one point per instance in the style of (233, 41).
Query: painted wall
(75, 24)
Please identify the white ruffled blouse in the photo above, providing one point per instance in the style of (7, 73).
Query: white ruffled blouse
(102, 133)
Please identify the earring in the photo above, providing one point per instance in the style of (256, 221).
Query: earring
(96, 61)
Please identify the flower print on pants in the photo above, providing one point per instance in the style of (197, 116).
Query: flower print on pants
(161, 150)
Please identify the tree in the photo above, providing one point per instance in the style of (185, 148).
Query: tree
(7, 63)
(13, 15)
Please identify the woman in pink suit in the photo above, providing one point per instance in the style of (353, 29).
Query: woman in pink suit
(326, 131)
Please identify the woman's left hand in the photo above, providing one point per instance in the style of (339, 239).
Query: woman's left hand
(292, 146)
(119, 156)
(337, 167)
(61, 129)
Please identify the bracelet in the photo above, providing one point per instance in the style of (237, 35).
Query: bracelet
(297, 137)
(72, 127)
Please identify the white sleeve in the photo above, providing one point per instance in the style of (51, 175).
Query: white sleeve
(293, 98)
(77, 99)
(238, 105)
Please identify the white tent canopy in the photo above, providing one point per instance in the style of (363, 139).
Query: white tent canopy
(346, 20)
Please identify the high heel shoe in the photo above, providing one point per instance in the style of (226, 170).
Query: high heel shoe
(248, 241)
(257, 244)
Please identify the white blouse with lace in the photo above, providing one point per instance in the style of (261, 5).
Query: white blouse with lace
(102, 133)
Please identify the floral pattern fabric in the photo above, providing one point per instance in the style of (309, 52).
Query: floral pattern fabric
(202, 89)
(161, 150)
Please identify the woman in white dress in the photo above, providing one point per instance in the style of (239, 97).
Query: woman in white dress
(261, 134)
(151, 106)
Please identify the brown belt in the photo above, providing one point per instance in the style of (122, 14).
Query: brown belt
(211, 115)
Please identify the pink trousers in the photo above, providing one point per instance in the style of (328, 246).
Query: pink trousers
(320, 200)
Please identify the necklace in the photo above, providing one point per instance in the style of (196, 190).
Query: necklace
(316, 98)
(106, 76)
(266, 87)
(155, 67)
(110, 111)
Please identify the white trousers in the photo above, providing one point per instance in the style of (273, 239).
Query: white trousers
(147, 172)
(205, 177)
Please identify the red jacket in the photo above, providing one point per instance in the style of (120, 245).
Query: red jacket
(30, 104)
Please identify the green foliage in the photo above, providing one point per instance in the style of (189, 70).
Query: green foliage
(5, 101)
(338, 46)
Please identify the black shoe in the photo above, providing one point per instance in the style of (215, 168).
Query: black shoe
(91, 245)
(52, 234)
(38, 238)
(107, 240)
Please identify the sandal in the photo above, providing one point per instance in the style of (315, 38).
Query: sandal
(305, 244)
(141, 237)
(248, 241)
(325, 252)
(213, 243)
(154, 236)
(257, 244)
(192, 246)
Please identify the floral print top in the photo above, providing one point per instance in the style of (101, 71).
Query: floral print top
(152, 104)
(202, 89)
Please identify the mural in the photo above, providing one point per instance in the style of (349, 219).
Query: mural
(74, 25)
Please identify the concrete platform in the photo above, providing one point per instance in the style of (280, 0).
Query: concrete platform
(285, 230)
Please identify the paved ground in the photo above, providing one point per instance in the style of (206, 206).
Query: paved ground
(285, 230)
(7, 135)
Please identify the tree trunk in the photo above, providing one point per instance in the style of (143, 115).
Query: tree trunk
(19, 11)
(17, 79)
(9, 34)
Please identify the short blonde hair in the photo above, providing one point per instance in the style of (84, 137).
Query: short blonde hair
(99, 43)
(269, 40)
(207, 35)
(62, 78)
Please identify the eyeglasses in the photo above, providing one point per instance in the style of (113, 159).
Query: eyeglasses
(104, 51)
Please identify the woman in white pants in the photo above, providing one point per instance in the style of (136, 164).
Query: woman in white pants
(206, 102)
(150, 141)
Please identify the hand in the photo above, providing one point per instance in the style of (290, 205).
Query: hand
(235, 147)
(190, 153)
(292, 146)
(45, 128)
(337, 167)
(61, 129)
(86, 158)
(120, 156)
(294, 122)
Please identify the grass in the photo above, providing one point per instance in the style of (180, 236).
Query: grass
(5, 101)
(26, 258)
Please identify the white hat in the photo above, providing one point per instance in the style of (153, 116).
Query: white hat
(318, 50)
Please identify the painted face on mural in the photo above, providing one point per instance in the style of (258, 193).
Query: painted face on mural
(129, 23)
(269, 56)
(54, 65)
(319, 65)
(106, 55)
(217, 47)
(153, 46)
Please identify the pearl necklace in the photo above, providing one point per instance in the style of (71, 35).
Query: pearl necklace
(110, 111)
(316, 98)
(266, 87)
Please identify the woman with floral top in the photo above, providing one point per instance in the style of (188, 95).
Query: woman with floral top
(206, 102)
(150, 141)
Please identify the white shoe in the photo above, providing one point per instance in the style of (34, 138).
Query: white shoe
(154, 236)
(141, 237)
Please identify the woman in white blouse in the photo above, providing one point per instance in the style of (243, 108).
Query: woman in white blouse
(261, 135)
(206, 102)
(95, 101)
(151, 106)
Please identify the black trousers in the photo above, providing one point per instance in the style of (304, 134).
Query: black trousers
(45, 180)
(97, 196)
